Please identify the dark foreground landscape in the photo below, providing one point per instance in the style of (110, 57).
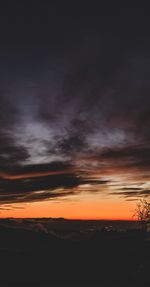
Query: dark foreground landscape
(58, 252)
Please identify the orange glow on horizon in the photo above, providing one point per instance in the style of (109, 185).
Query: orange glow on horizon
(104, 209)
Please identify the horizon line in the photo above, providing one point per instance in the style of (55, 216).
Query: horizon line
(81, 219)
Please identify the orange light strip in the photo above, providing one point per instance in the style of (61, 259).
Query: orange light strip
(30, 175)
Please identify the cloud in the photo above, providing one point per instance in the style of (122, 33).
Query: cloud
(37, 183)
(74, 111)
(132, 194)
(74, 141)
(32, 170)
(11, 153)
(124, 158)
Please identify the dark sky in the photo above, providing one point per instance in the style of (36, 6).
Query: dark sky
(74, 100)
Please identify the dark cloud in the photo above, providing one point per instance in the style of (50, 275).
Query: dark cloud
(7, 112)
(132, 194)
(31, 184)
(74, 141)
(31, 169)
(11, 153)
(131, 189)
(126, 157)
(133, 151)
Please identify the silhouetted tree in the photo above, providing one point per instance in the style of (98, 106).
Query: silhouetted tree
(142, 213)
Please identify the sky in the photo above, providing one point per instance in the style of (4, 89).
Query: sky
(74, 110)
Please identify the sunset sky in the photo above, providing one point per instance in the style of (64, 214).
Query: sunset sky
(74, 113)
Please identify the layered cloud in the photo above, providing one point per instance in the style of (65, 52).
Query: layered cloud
(43, 182)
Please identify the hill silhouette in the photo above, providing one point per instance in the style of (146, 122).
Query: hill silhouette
(37, 258)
